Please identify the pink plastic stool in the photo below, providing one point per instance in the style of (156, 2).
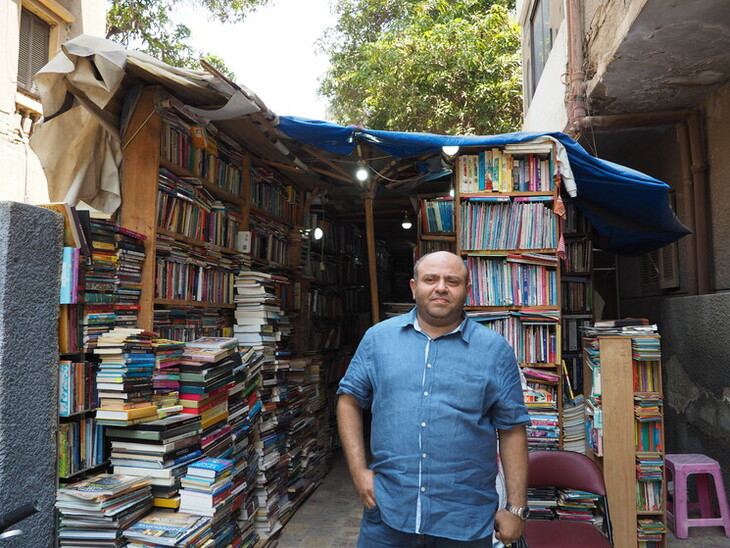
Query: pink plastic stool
(681, 466)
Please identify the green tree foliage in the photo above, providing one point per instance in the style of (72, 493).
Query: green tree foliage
(440, 66)
(147, 25)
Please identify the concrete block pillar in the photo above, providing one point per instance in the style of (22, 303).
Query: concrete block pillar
(30, 277)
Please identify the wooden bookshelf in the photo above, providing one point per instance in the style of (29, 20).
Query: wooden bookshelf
(619, 369)
(435, 224)
(151, 149)
(502, 214)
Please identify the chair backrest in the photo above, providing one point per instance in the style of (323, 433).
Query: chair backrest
(565, 469)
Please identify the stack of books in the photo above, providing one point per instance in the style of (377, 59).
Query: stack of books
(542, 502)
(167, 528)
(161, 450)
(207, 490)
(124, 378)
(541, 401)
(576, 505)
(166, 375)
(244, 416)
(100, 282)
(206, 376)
(574, 429)
(96, 511)
(128, 275)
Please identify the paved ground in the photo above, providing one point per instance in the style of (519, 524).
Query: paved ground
(330, 518)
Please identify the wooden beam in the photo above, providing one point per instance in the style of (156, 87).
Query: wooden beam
(328, 161)
(370, 232)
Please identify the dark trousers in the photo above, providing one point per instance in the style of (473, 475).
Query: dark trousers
(374, 533)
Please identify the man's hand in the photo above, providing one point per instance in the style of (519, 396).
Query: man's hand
(507, 526)
(363, 480)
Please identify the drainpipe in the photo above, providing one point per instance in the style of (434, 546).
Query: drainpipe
(689, 135)
(576, 74)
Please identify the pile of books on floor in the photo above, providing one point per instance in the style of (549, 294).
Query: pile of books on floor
(95, 511)
(207, 490)
(244, 413)
(160, 450)
(574, 429)
(206, 377)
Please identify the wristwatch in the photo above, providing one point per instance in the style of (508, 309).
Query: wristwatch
(523, 513)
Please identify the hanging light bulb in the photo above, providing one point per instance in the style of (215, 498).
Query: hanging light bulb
(406, 223)
(362, 171)
(450, 150)
(318, 233)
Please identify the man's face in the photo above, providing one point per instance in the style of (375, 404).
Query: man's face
(440, 289)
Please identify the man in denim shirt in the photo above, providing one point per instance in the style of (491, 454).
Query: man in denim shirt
(439, 387)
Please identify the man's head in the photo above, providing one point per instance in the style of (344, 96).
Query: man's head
(440, 286)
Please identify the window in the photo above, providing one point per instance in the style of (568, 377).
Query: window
(541, 40)
(33, 48)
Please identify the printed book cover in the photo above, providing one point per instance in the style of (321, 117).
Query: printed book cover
(165, 527)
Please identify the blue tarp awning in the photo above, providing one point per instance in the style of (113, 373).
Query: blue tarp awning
(629, 210)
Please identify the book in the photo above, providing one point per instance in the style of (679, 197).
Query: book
(213, 342)
(102, 486)
(126, 414)
(209, 468)
(71, 223)
(207, 355)
(166, 528)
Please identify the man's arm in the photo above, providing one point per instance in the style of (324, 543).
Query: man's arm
(513, 454)
(349, 425)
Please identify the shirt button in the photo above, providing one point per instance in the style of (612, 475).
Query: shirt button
(429, 365)
(425, 393)
(424, 455)
(423, 489)
(423, 424)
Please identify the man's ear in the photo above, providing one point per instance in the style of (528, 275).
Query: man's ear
(412, 283)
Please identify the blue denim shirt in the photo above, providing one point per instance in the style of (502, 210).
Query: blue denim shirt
(435, 406)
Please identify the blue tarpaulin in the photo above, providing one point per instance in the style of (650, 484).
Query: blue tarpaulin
(629, 210)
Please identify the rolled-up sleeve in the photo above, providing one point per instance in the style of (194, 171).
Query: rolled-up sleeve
(357, 381)
(509, 410)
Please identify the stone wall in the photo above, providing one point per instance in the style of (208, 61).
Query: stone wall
(695, 332)
(30, 277)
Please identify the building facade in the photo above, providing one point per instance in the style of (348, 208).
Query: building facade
(33, 31)
(644, 83)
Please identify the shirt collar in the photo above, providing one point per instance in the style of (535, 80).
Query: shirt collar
(411, 319)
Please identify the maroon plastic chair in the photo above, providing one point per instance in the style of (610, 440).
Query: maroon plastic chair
(569, 470)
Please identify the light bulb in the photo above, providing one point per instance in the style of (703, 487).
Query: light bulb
(406, 224)
(318, 233)
(451, 192)
(362, 173)
(450, 150)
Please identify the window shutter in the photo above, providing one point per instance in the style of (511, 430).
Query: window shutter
(32, 49)
(669, 266)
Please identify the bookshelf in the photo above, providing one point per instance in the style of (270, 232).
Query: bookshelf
(194, 195)
(228, 255)
(436, 229)
(508, 234)
(623, 384)
(576, 291)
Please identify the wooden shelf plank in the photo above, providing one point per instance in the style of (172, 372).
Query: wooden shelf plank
(196, 304)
